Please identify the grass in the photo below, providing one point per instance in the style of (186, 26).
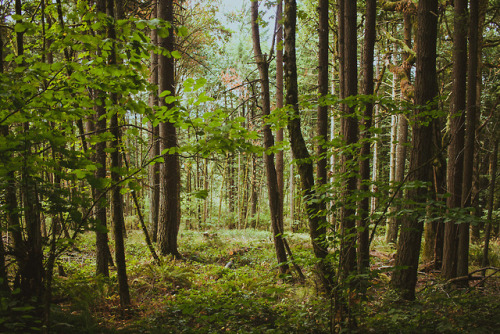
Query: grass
(199, 295)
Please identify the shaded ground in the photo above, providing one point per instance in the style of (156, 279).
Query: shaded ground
(200, 295)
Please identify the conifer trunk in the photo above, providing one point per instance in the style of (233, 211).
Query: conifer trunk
(404, 280)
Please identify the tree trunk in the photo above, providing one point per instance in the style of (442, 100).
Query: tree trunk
(349, 132)
(470, 138)
(102, 248)
(279, 99)
(456, 147)
(392, 221)
(404, 280)
(275, 202)
(491, 197)
(169, 220)
(322, 114)
(154, 131)
(364, 165)
(314, 207)
(116, 164)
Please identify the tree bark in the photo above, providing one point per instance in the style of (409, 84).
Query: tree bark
(470, 138)
(279, 99)
(154, 140)
(169, 220)
(322, 114)
(349, 131)
(456, 147)
(404, 280)
(364, 166)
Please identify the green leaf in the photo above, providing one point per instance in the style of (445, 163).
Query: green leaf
(21, 27)
(165, 93)
(200, 83)
(176, 54)
(182, 31)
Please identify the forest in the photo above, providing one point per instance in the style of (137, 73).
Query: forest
(252, 166)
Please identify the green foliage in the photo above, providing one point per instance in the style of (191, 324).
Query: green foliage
(18, 316)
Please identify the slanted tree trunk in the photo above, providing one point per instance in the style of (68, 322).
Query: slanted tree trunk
(314, 207)
(169, 220)
(275, 202)
(456, 147)
(404, 280)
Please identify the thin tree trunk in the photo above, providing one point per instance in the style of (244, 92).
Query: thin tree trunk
(491, 197)
(102, 248)
(275, 202)
(116, 195)
(154, 168)
(279, 99)
(392, 222)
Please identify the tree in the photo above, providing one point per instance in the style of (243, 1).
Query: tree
(102, 248)
(279, 99)
(154, 168)
(275, 201)
(349, 132)
(314, 207)
(116, 165)
(457, 133)
(404, 278)
(323, 88)
(170, 169)
(364, 168)
(470, 137)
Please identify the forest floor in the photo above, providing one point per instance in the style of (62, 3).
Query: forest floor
(199, 295)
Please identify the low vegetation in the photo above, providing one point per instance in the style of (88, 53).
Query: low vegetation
(228, 282)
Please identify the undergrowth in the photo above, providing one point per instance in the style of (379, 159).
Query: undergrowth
(198, 294)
